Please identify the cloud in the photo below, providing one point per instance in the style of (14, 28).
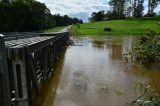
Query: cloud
(81, 8)
(81, 15)
(76, 8)
(146, 7)
(157, 10)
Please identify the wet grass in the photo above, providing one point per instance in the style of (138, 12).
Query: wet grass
(55, 29)
(119, 27)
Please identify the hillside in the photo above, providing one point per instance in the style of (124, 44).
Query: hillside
(55, 29)
(119, 27)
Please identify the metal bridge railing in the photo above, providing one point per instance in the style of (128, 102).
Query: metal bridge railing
(25, 62)
(4, 76)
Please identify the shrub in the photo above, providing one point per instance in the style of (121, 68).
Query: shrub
(147, 95)
(147, 49)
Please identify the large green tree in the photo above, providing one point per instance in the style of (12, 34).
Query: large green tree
(117, 8)
(97, 16)
(29, 15)
(128, 8)
(152, 4)
(5, 21)
(138, 8)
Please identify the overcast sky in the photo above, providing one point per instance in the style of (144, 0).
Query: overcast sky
(81, 9)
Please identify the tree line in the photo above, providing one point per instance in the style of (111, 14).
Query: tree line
(121, 9)
(30, 15)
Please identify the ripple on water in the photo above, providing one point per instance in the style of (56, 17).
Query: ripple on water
(96, 75)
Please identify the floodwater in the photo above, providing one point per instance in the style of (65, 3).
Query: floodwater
(93, 73)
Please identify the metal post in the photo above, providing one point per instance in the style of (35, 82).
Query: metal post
(20, 80)
(4, 77)
(28, 74)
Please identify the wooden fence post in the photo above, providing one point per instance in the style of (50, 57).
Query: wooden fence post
(5, 99)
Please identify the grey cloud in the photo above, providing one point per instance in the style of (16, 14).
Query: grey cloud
(81, 15)
(57, 8)
(80, 8)
(62, 5)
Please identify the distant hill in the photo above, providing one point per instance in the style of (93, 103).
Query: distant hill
(119, 27)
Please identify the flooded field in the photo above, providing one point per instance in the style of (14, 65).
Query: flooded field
(93, 73)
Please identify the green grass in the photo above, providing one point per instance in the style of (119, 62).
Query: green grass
(55, 29)
(119, 27)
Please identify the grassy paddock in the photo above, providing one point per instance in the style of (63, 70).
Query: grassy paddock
(56, 29)
(119, 27)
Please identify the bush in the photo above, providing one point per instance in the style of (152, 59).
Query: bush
(77, 25)
(147, 49)
(148, 97)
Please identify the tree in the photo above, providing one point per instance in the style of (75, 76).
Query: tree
(99, 16)
(117, 8)
(138, 8)
(127, 8)
(65, 20)
(20, 13)
(4, 17)
(5, 1)
(152, 4)
(29, 15)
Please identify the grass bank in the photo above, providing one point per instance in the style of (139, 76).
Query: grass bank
(119, 27)
(55, 29)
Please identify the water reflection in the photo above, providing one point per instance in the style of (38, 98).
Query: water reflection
(98, 44)
(48, 87)
(96, 75)
(116, 52)
(117, 46)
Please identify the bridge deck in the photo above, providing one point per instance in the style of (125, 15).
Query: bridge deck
(26, 42)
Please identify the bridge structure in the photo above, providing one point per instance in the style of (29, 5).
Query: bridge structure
(26, 59)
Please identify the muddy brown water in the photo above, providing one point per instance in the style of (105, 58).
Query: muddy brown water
(95, 74)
